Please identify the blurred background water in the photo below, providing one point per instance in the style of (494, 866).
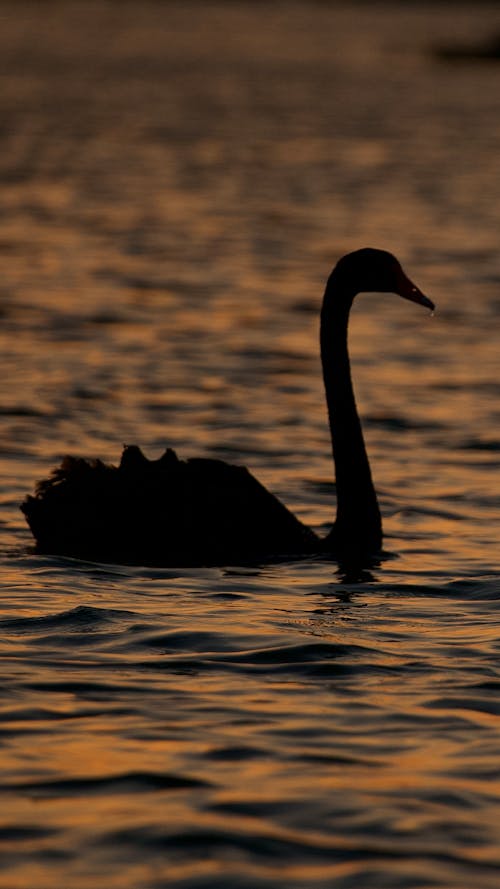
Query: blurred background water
(176, 182)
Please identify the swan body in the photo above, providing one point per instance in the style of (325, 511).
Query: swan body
(207, 512)
(161, 512)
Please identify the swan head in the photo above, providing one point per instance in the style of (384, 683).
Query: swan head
(376, 271)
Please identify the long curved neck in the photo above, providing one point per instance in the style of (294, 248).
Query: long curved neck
(358, 526)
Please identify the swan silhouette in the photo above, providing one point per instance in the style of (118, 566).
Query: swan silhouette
(206, 512)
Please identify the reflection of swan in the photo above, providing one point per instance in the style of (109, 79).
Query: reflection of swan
(202, 512)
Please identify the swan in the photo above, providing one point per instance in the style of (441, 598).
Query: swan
(173, 512)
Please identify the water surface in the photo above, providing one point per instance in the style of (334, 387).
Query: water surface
(176, 183)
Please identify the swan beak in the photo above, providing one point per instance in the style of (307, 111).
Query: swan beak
(407, 290)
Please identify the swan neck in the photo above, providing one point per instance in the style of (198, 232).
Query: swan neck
(358, 523)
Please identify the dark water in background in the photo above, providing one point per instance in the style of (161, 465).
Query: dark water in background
(175, 183)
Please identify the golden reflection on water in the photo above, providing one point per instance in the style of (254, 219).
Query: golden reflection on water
(177, 183)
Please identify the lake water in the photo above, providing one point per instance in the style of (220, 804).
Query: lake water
(176, 182)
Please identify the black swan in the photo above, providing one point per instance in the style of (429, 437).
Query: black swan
(206, 512)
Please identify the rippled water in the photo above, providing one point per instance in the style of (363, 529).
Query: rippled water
(176, 182)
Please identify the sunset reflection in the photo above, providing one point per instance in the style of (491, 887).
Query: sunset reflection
(177, 183)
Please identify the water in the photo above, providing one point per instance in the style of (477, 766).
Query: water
(176, 183)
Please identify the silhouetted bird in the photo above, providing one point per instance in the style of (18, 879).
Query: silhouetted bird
(206, 512)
